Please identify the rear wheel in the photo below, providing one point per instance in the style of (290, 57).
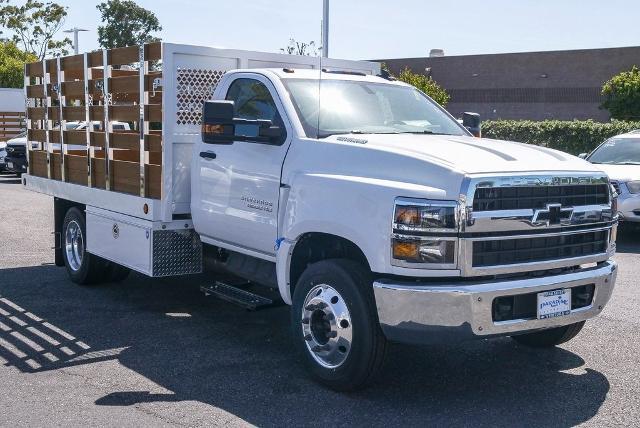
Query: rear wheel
(335, 324)
(551, 337)
(83, 268)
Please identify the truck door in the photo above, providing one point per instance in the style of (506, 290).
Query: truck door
(239, 183)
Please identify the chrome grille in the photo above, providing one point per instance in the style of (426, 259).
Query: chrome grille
(536, 197)
(524, 223)
(538, 249)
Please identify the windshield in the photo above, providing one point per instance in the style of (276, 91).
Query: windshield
(619, 151)
(349, 106)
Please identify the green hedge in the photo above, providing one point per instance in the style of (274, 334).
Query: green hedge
(573, 137)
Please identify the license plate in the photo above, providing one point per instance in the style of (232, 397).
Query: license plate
(10, 165)
(555, 303)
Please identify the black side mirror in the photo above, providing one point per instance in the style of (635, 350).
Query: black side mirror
(471, 121)
(219, 126)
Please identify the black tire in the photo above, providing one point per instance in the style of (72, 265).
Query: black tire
(368, 344)
(551, 337)
(89, 269)
(116, 272)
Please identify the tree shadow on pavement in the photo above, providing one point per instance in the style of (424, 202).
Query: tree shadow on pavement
(209, 351)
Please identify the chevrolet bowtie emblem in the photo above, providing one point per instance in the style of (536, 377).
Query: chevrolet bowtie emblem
(553, 214)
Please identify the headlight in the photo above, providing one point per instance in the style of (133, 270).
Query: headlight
(414, 216)
(424, 251)
(633, 186)
(424, 232)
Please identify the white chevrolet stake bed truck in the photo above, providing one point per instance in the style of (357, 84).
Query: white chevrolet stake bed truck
(374, 213)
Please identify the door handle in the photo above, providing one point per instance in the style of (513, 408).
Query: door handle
(208, 155)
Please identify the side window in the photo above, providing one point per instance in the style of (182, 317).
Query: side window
(253, 101)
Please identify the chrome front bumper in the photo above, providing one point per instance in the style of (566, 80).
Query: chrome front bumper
(455, 311)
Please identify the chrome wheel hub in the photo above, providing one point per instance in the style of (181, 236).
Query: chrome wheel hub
(74, 245)
(326, 326)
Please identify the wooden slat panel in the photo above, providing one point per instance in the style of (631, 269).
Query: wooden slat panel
(153, 181)
(11, 125)
(98, 173)
(131, 84)
(35, 91)
(37, 135)
(73, 89)
(130, 54)
(153, 112)
(126, 177)
(153, 142)
(76, 62)
(36, 113)
(127, 55)
(8, 135)
(124, 113)
(6, 119)
(38, 163)
(76, 169)
(34, 69)
(155, 158)
(126, 155)
(125, 140)
(56, 166)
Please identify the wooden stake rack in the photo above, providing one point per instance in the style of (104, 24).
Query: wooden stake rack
(12, 123)
(98, 88)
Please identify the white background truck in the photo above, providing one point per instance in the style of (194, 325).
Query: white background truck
(371, 211)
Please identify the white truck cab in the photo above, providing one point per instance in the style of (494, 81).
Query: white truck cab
(374, 213)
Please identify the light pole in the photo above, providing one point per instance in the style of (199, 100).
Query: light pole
(325, 28)
(75, 31)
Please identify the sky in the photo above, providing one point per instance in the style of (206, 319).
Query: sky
(376, 29)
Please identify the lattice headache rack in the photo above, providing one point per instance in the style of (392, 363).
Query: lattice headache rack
(98, 88)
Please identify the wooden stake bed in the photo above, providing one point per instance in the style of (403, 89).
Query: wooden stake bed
(98, 88)
(159, 89)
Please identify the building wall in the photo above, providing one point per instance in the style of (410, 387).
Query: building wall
(533, 85)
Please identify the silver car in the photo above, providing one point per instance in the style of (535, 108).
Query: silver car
(619, 157)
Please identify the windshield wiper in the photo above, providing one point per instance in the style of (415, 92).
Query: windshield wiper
(425, 132)
(629, 163)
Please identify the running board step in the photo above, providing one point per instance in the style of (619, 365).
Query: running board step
(237, 296)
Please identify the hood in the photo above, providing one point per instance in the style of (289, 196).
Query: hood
(620, 172)
(20, 141)
(472, 155)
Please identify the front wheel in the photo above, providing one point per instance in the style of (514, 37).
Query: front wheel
(335, 324)
(551, 337)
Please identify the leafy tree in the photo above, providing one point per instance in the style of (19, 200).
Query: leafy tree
(12, 62)
(300, 48)
(622, 95)
(126, 24)
(426, 84)
(34, 26)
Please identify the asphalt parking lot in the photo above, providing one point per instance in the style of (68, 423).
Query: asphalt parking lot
(157, 353)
